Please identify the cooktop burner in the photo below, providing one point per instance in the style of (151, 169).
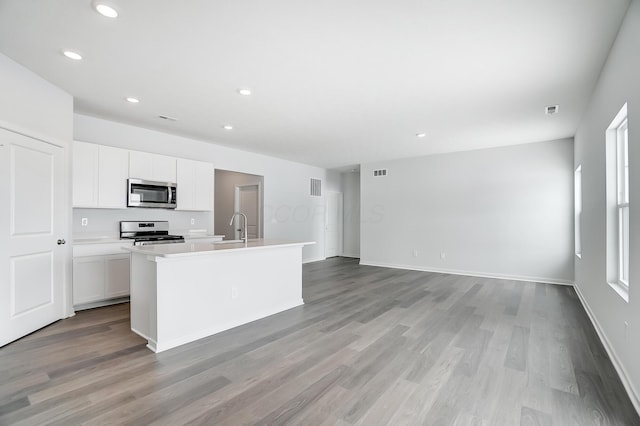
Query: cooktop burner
(144, 233)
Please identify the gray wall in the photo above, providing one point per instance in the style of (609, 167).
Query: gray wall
(501, 212)
(225, 188)
(351, 210)
(619, 83)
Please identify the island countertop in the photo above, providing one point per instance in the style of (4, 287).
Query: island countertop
(194, 249)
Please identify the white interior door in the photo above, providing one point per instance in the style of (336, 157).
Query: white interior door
(32, 217)
(247, 201)
(333, 224)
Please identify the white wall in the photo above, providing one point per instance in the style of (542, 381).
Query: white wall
(290, 212)
(618, 83)
(502, 212)
(31, 106)
(351, 214)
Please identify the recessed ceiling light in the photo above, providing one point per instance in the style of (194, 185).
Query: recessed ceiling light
(133, 100)
(227, 127)
(105, 10)
(421, 135)
(72, 55)
(244, 92)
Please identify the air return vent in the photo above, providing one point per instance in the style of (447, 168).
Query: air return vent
(380, 172)
(166, 117)
(315, 187)
(551, 109)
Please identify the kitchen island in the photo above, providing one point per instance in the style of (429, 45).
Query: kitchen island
(184, 292)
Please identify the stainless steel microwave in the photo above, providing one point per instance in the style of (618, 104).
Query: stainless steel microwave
(147, 193)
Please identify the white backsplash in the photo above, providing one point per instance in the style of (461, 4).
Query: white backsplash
(106, 222)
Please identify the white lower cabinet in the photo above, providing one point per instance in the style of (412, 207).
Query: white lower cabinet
(98, 275)
(88, 279)
(116, 276)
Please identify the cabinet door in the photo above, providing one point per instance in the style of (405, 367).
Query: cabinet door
(112, 181)
(186, 174)
(140, 165)
(88, 279)
(203, 199)
(85, 174)
(116, 276)
(164, 168)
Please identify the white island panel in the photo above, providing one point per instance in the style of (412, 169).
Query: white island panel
(176, 299)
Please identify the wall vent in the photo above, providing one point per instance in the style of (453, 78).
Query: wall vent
(315, 188)
(380, 172)
(551, 109)
(166, 117)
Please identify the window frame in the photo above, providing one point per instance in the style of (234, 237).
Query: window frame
(577, 182)
(622, 189)
(618, 203)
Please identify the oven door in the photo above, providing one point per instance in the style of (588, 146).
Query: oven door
(145, 193)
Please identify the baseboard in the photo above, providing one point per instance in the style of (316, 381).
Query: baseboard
(210, 331)
(317, 259)
(353, 256)
(101, 303)
(622, 373)
(544, 280)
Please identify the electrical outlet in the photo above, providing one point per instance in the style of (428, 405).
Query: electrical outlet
(193, 221)
(415, 253)
(234, 292)
(85, 221)
(443, 255)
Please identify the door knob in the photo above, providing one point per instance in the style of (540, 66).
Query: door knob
(60, 242)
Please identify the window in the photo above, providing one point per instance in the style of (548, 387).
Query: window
(622, 140)
(577, 181)
(618, 202)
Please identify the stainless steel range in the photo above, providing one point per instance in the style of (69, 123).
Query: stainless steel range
(144, 233)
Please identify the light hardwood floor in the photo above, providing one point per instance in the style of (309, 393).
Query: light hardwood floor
(371, 346)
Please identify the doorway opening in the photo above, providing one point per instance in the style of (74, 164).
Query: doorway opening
(238, 192)
(333, 224)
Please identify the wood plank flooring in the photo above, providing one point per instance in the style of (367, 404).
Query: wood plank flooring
(371, 346)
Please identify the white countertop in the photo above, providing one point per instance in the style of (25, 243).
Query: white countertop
(104, 239)
(193, 249)
(99, 239)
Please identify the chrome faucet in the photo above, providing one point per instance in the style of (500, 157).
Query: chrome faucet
(245, 239)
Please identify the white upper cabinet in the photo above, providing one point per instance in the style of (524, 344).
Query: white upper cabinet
(204, 186)
(164, 168)
(99, 176)
(148, 166)
(195, 185)
(186, 184)
(85, 174)
(140, 165)
(113, 171)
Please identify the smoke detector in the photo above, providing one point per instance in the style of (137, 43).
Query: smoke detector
(551, 109)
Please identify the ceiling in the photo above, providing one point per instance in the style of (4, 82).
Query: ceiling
(335, 82)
